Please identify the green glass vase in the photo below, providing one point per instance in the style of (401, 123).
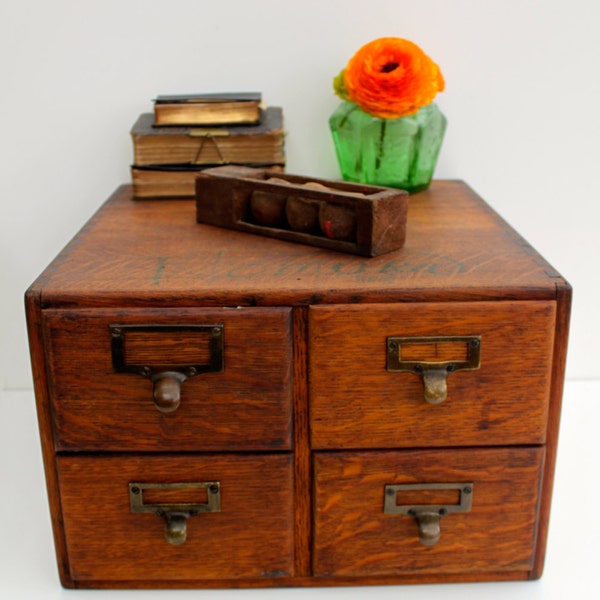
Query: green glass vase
(400, 153)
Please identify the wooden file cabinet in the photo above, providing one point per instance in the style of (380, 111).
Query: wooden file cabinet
(223, 410)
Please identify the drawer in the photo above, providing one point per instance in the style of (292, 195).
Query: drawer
(495, 394)
(105, 367)
(489, 497)
(244, 531)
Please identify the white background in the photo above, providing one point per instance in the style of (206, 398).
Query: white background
(28, 565)
(522, 101)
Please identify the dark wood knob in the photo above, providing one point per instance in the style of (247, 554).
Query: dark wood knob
(167, 391)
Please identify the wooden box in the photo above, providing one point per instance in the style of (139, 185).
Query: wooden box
(347, 217)
(219, 409)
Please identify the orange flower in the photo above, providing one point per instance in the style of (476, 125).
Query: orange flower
(391, 78)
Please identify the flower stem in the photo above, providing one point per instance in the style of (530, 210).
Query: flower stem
(347, 116)
(379, 157)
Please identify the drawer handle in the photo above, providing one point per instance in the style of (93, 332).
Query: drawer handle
(427, 515)
(167, 390)
(175, 514)
(137, 349)
(434, 372)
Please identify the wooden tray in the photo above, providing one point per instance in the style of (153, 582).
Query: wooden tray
(347, 217)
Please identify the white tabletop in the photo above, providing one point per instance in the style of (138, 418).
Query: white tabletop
(27, 562)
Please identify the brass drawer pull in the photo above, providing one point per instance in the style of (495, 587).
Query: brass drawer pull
(414, 354)
(167, 355)
(175, 514)
(428, 515)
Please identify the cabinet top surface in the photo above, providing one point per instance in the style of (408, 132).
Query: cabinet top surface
(153, 253)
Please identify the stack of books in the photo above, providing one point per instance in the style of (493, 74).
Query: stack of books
(187, 134)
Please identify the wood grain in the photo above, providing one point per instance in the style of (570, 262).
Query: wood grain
(561, 336)
(151, 253)
(304, 426)
(356, 403)
(46, 427)
(251, 536)
(302, 454)
(248, 406)
(353, 536)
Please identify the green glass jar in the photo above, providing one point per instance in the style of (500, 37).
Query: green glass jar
(400, 153)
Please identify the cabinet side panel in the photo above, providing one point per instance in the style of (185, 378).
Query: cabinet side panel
(44, 415)
(563, 314)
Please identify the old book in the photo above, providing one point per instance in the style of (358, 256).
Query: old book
(157, 182)
(170, 181)
(240, 144)
(207, 109)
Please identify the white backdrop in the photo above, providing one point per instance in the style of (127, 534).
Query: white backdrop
(522, 103)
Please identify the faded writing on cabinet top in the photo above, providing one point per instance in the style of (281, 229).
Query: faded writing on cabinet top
(155, 253)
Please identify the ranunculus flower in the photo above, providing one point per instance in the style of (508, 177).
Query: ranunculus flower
(390, 78)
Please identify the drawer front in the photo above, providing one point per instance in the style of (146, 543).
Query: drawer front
(246, 533)
(358, 533)
(111, 373)
(366, 390)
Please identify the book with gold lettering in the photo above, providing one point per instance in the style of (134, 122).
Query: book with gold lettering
(207, 109)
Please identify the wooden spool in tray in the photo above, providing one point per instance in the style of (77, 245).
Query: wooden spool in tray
(348, 217)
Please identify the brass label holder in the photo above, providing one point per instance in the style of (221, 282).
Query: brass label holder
(175, 514)
(434, 373)
(427, 515)
(167, 378)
